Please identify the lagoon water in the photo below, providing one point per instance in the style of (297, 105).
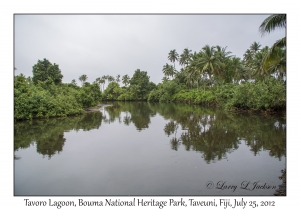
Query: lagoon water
(139, 148)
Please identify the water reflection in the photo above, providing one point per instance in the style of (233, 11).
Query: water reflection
(213, 133)
(138, 113)
(48, 135)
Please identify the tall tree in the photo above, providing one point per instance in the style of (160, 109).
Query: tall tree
(185, 57)
(275, 21)
(125, 80)
(110, 79)
(44, 70)
(140, 81)
(248, 58)
(173, 56)
(73, 82)
(255, 47)
(118, 78)
(209, 62)
(83, 78)
(103, 78)
(168, 70)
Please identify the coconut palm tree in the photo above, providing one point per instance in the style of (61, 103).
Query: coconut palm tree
(222, 53)
(168, 70)
(73, 82)
(125, 80)
(248, 58)
(83, 78)
(110, 79)
(173, 56)
(241, 72)
(103, 78)
(118, 78)
(98, 81)
(275, 21)
(255, 47)
(272, 22)
(276, 63)
(210, 62)
(185, 57)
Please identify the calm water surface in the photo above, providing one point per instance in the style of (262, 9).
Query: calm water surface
(139, 148)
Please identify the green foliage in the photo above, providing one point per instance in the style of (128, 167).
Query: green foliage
(89, 95)
(164, 92)
(270, 94)
(112, 92)
(140, 81)
(34, 101)
(44, 70)
(47, 99)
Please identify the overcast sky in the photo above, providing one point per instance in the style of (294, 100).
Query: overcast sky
(98, 45)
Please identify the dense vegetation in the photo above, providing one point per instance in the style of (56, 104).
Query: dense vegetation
(46, 96)
(212, 76)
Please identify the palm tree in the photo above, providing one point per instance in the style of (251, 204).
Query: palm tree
(102, 81)
(255, 47)
(125, 80)
(241, 72)
(83, 78)
(103, 78)
(73, 82)
(110, 79)
(276, 63)
(209, 61)
(270, 24)
(185, 57)
(222, 53)
(173, 56)
(169, 70)
(99, 81)
(248, 58)
(118, 78)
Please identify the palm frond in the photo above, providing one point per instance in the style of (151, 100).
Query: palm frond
(272, 22)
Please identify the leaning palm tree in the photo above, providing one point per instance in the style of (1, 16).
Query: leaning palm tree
(276, 63)
(275, 21)
(173, 56)
(272, 22)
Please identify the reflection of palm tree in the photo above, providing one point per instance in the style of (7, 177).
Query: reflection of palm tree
(175, 143)
(126, 120)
